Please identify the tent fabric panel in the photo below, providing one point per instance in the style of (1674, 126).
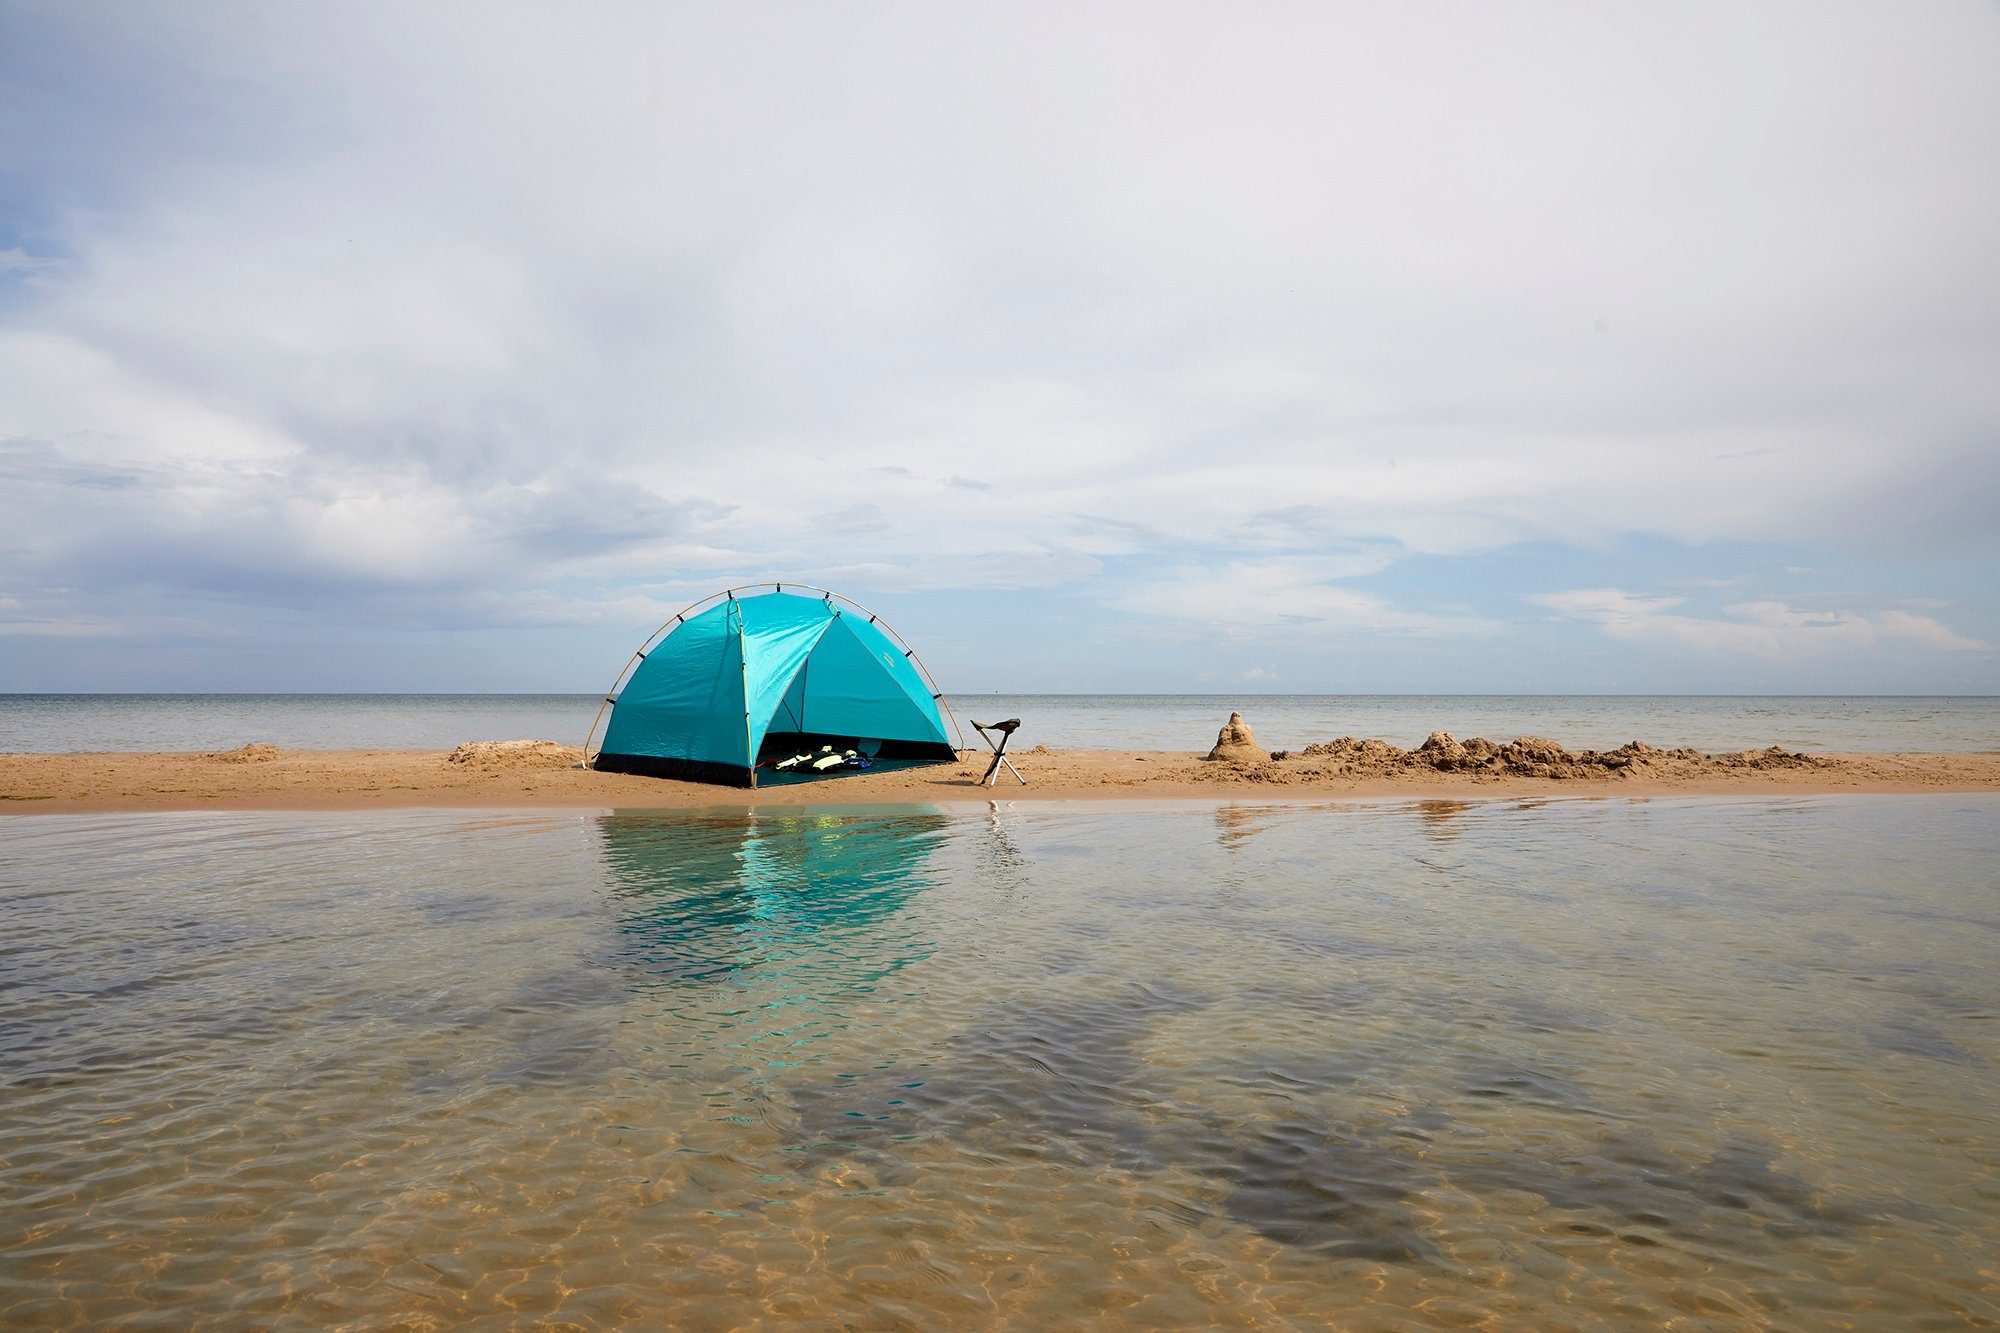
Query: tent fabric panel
(851, 689)
(791, 714)
(780, 632)
(901, 670)
(779, 613)
(685, 701)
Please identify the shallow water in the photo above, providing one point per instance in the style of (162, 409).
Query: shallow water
(49, 723)
(1555, 1065)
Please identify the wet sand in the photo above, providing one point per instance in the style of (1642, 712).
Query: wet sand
(265, 778)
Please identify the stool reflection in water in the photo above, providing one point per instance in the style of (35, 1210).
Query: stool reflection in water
(754, 898)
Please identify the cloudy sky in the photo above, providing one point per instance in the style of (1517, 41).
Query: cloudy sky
(1392, 347)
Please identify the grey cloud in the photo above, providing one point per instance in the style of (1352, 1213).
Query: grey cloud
(39, 462)
(467, 300)
(590, 516)
(246, 531)
(1033, 568)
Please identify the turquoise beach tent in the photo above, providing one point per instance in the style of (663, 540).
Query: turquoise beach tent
(755, 678)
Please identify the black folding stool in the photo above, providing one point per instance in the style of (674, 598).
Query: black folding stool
(1006, 730)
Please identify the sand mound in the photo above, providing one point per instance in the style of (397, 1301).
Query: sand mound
(515, 754)
(1237, 744)
(1372, 754)
(1526, 757)
(253, 753)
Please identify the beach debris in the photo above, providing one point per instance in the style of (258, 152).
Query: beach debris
(254, 753)
(1237, 744)
(515, 754)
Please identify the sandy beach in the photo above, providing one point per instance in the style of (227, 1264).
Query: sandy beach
(516, 775)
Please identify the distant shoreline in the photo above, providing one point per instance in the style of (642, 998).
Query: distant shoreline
(264, 778)
(1818, 724)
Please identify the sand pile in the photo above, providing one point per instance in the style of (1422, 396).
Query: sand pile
(1369, 754)
(1527, 757)
(515, 754)
(1237, 744)
(253, 753)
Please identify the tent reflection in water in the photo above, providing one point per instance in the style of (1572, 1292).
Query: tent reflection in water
(704, 899)
(751, 680)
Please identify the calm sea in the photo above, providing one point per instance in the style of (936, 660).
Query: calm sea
(1701, 1063)
(55, 722)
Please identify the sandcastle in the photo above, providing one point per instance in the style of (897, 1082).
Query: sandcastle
(1237, 744)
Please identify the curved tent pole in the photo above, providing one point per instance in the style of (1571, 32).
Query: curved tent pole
(667, 627)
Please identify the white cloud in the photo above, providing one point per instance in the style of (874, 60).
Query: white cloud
(1297, 597)
(1761, 629)
(17, 260)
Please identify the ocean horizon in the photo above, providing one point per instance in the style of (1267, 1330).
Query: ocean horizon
(1944, 724)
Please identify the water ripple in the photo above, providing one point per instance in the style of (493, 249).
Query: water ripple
(1410, 1065)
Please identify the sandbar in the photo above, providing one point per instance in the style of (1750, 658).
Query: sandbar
(267, 778)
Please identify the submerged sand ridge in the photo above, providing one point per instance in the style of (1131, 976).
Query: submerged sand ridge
(546, 774)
